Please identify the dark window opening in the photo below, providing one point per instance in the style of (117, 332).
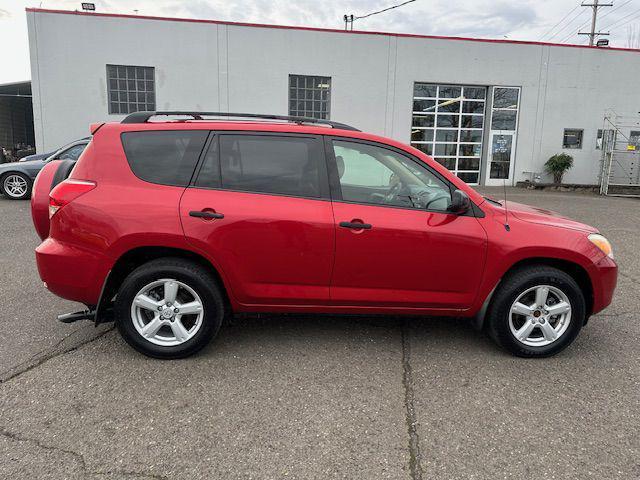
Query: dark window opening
(572, 138)
(270, 164)
(164, 157)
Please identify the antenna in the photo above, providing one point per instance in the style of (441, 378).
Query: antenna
(507, 227)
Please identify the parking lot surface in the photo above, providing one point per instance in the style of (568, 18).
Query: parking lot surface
(320, 397)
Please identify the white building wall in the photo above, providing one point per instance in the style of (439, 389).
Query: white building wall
(221, 67)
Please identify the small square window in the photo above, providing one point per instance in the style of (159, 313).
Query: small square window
(126, 87)
(572, 138)
(316, 91)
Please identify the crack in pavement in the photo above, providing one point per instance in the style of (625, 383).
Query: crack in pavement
(415, 458)
(19, 438)
(120, 473)
(47, 354)
(40, 353)
(78, 457)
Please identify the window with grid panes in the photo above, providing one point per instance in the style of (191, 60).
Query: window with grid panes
(310, 96)
(448, 122)
(131, 88)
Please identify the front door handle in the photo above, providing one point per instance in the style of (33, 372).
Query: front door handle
(356, 225)
(205, 214)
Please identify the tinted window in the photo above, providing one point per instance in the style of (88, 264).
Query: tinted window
(271, 164)
(370, 174)
(209, 174)
(166, 157)
(72, 153)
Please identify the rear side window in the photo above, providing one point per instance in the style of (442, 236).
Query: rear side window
(268, 164)
(165, 157)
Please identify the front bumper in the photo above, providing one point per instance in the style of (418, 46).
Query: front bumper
(72, 272)
(604, 278)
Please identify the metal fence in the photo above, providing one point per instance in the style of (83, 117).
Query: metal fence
(619, 140)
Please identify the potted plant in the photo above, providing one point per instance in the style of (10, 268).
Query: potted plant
(558, 165)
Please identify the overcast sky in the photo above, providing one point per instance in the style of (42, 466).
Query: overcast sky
(521, 20)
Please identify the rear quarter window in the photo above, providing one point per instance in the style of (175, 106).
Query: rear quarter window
(164, 157)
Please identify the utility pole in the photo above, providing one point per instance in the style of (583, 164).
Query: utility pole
(593, 34)
(348, 19)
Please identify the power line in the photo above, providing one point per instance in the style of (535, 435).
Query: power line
(602, 17)
(620, 19)
(594, 18)
(629, 21)
(606, 14)
(561, 20)
(615, 9)
(383, 10)
(567, 25)
(351, 18)
(571, 34)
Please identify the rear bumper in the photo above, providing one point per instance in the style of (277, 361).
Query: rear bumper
(604, 278)
(71, 272)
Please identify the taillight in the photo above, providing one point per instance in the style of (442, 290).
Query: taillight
(66, 192)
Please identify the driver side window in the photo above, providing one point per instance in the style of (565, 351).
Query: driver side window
(376, 175)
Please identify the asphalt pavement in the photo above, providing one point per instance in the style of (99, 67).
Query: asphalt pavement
(319, 397)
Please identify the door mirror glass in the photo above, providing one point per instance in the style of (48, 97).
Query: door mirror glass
(460, 202)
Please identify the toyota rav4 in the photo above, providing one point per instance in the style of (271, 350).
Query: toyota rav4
(170, 222)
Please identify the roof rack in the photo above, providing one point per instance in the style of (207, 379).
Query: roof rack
(143, 117)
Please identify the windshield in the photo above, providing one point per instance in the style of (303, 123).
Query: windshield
(67, 152)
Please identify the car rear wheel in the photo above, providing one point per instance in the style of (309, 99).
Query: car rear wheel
(16, 186)
(536, 312)
(169, 308)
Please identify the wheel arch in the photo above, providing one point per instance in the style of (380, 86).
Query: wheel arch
(5, 174)
(138, 256)
(573, 269)
(9, 172)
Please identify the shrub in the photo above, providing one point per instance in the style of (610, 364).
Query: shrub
(558, 166)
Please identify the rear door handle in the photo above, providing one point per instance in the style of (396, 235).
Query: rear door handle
(356, 225)
(205, 214)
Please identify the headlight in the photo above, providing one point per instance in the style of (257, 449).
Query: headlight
(602, 243)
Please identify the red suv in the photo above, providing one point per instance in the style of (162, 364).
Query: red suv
(172, 221)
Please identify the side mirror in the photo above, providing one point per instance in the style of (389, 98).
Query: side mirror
(460, 202)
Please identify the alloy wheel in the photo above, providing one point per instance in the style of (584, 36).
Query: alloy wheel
(167, 312)
(15, 186)
(540, 316)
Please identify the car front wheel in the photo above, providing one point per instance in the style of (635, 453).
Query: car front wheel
(536, 312)
(169, 308)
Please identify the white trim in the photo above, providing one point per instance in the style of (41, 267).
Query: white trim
(492, 133)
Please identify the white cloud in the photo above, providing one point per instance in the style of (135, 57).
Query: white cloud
(523, 20)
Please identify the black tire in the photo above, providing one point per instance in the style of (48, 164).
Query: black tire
(515, 284)
(8, 195)
(190, 274)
